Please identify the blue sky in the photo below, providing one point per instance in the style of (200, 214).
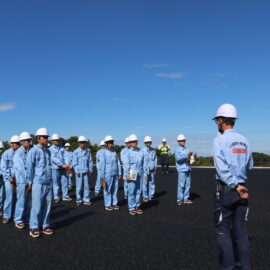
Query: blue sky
(153, 67)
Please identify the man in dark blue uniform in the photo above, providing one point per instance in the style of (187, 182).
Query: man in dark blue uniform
(232, 157)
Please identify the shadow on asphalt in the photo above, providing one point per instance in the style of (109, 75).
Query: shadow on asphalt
(68, 221)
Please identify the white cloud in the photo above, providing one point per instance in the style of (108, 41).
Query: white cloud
(155, 65)
(7, 107)
(174, 75)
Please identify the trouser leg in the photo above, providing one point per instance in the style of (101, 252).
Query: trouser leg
(152, 186)
(115, 190)
(125, 187)
(138, 190)
(187, 186)
(36, 206)
(8, 204)
(86, 192)
(240, 236)
(46, 206)
(181, 186)
(131, 195)
(145, 187)
(20, 204)
(56, 183)
(1, 192)
(108, 191)
(79, 184)
(223, 221)
(98, 182)
(64, 184)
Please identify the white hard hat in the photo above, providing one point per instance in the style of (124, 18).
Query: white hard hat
(147, 139)
(132, 138)
(14, 139)
(181, 137)
(164, 140)
(1, 145)
(42, 132)
(102, 143)
(108, 138)
(82, 139)
(67, 145)
(226, 110)
(25, 136)
(127, 140)
(55, 137)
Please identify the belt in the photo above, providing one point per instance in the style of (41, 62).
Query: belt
(221, 185)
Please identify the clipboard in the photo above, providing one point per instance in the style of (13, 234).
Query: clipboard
(133, 174)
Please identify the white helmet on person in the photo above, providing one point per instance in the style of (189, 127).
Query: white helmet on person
(67, 144)
(42, 132)
(181, 137)
(133, 138)
(82, 139)
(102, 143)
(14, 139)
(147, 139)
(164, 140)
(227, 111)
(127, 140)
(25, 136)
(108, 138)
(55, 137)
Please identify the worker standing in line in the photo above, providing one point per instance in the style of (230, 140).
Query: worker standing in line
(123, 160)
(39, 175)
(150, 166)
(1, 180)
(98, 182)
(9, 179)
(164, 149)
(68, 160)
(58, 170)
(134, 172)
(23, 188)
(110, 169)
(83, 167)
(232, 158)
(182, 159)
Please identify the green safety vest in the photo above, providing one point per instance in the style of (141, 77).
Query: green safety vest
(163, 149)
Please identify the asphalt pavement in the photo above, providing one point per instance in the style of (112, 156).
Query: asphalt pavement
(166, 236)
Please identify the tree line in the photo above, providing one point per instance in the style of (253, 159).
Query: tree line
(260, 159)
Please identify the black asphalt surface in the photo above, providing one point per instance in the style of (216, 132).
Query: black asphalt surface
(166, 236)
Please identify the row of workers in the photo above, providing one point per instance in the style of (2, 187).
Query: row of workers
(38, 170)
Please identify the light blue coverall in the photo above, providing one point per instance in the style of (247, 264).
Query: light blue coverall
(23, 203)
(39, 173)
(8, 174)
(98, 182)
(1, 185)
(150, 166)
(232, 158)
(83, 165)
(134, 161)
(58, 173)
(68, 155)
(124, 160)
(184, 178)
(110, 169)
